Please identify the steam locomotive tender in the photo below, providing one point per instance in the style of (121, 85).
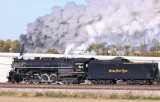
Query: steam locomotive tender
(77, 70)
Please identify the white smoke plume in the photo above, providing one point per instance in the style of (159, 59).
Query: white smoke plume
(74, 27)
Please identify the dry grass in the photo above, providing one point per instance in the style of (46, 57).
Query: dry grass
(77, 95)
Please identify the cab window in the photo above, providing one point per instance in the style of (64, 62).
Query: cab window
(79, 65)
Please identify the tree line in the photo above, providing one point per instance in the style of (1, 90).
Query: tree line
(129, 49)
(119, 49)
(9, 46)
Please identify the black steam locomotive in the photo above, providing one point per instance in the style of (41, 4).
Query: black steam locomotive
(77, 70)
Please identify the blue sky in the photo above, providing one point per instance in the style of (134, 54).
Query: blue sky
(16, 14)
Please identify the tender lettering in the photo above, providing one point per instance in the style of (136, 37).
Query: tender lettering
(124, 71)
(118, 71)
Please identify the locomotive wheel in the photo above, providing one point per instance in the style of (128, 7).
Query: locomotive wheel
(149, 82)
(76, 82)
(53, 78)
(68, 81)
(45, 78)
(142, 82)
(107, 81)
(65, 81)
(94, 82)
(112, 82)
(17, 78)
(133, 82)
(129, 82)
(101, 82)
(36, 79)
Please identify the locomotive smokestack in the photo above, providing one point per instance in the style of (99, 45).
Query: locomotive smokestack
(21, 49)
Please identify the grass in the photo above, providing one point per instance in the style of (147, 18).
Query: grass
(7, 93)
(76, 95)
(24, 94)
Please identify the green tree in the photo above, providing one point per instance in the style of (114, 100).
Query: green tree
(99, 49)
(9, 42)
(143, 49)
(120, 48)
(52, 51)
(1, 45)
(127, 50)
(39, 51)
(154, 50)
(15, 46)
(113, 52)
(6, 47)
(90, 48)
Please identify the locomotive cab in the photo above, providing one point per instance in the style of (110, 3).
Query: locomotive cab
(79, 67)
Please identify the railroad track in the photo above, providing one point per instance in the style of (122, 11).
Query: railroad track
(80, 86)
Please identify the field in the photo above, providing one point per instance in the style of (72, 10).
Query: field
(17, 96)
